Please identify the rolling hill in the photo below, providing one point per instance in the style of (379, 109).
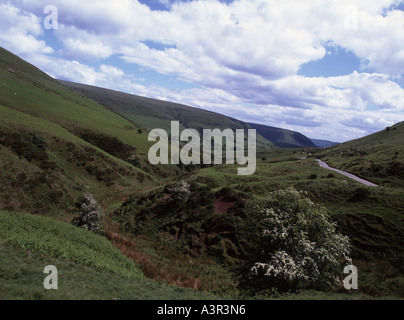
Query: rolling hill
(378, 157)
(57, 144)
(283, 138)
(152, 114)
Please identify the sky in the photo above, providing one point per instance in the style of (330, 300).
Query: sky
(330, 69)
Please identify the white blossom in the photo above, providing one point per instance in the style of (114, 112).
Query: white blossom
(181, 191)
(90, 216)
(301, 244)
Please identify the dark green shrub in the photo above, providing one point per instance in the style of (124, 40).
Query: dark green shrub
(90, 216)
(134, 160)
(37, 141)
(109, 144)
(360, 194)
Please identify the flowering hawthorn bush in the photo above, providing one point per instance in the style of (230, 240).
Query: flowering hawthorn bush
(299, 246)
(182, 191)
(90, 216)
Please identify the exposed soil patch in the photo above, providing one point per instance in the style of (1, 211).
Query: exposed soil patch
(222, 206)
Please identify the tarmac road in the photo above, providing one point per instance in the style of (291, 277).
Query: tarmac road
(347, 174)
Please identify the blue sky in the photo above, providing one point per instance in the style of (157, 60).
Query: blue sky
(337, 62)
(328, 69)
(165, 5)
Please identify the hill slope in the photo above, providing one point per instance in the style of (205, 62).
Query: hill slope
(378, 157)
(89, 266)
(29, 90)
(283, 138)
(57, 144)
(152, 114)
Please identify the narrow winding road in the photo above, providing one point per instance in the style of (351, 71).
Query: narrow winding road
(349, 175)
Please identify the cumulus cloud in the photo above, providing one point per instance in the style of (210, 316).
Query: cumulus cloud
(82, 46)
(20, 31)
(244, 56)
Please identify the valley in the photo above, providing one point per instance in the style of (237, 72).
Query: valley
(175, 231)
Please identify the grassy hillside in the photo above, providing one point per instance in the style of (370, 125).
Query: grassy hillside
(378, 157)
(57, 145)
(156, 114)
(61, 240)
(89, 267)
(26, 89)
(283, 138)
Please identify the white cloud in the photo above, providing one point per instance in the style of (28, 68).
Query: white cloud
(82, 46)
(269, 39)
(245, 56)
(20, 31)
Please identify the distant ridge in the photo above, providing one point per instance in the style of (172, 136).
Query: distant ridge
(283, 138)
(323, 143)
(152, 113)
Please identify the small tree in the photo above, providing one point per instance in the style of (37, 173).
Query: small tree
(37, 141)
(299, 246)
(90, 216)
(134, 160)
(181, 191)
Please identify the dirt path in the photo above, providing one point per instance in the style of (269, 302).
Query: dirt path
(347, 174)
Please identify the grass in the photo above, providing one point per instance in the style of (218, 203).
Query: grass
(30, 184)
(30, 91)
(31, 101)
(164, 264)
(89, 266)
(47, 236)
(35, 95)
(378, 157)
(306, 295)
(21, 278)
